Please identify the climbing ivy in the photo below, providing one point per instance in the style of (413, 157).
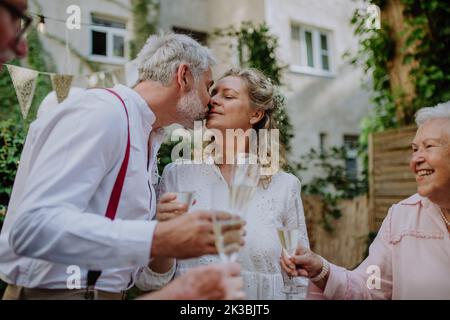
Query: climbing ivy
(427, 45)
(331, 182)
(145, 20)
(429, 36)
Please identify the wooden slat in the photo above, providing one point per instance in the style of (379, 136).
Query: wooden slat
(387, 170)
(390, 179)
(395, 176)
(347, 244)
(400, 142)
(395, 132)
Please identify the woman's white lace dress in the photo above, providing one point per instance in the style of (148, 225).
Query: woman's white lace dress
(276, 206)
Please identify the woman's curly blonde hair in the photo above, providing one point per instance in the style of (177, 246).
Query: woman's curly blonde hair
(263, 95)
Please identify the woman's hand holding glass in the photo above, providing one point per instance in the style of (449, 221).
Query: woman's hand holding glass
(304, 263)
(174, 204)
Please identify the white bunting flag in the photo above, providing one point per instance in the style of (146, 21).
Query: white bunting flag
(24, 81)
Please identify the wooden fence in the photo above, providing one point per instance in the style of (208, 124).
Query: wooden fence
(347, 244)
(390, 179)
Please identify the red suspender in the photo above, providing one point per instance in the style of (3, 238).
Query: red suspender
(113, 203)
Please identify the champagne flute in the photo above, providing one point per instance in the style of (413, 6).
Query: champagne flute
(289, 238)
(245, 174)
(226, 230)
(186, 197)
(227, 234)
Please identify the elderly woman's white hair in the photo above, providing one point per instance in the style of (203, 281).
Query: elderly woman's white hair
(440, 111)
(162, 55)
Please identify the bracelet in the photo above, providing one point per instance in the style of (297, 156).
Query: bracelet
(323, 273)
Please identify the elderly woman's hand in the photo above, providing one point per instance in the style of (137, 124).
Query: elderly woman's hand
(168, 208)
(303, 263)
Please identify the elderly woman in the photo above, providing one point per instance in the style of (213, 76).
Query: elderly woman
(410, 257)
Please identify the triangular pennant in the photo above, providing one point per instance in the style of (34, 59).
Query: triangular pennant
(61, 84)
(24, 81)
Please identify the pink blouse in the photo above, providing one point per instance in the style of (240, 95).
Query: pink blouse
(409, 258)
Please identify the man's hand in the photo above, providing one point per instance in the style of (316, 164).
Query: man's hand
(211, 282)
(190, 235)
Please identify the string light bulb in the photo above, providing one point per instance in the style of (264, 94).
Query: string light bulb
(41, 24)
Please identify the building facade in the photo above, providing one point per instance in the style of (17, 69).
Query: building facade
(325, 99)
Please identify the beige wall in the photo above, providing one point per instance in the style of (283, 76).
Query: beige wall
(78, 39)
(334, 105)
(208, 15)
(189, 14)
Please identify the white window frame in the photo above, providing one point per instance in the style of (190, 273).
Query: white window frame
(110, 33)
(317, 70)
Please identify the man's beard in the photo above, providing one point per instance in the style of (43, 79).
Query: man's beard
(190, 109)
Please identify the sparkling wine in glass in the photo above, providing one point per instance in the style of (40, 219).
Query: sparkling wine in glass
(289, 239)
(245, 175)
(227, 234)
(227, 229)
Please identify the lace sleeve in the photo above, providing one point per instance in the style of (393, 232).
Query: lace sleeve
(149, 280)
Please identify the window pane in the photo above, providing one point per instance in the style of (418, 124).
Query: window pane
(309, 48)
(351, 163)
(324, 52)
(351, 141)
(99, 43)
(325, 62)
(118, 46)
(323, 42)
(351, 168)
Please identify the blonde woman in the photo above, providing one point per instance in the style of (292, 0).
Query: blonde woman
(242, 99)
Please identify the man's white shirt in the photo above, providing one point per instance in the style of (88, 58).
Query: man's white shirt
(56, 215)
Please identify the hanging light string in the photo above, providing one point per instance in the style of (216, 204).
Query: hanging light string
(68, 65)
(42, 72)
(43, 18)
(92, 78)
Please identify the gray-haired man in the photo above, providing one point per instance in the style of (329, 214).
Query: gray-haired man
(13, 24)
(80, 159)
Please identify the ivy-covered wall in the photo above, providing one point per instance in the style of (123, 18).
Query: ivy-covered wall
(423, 42)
